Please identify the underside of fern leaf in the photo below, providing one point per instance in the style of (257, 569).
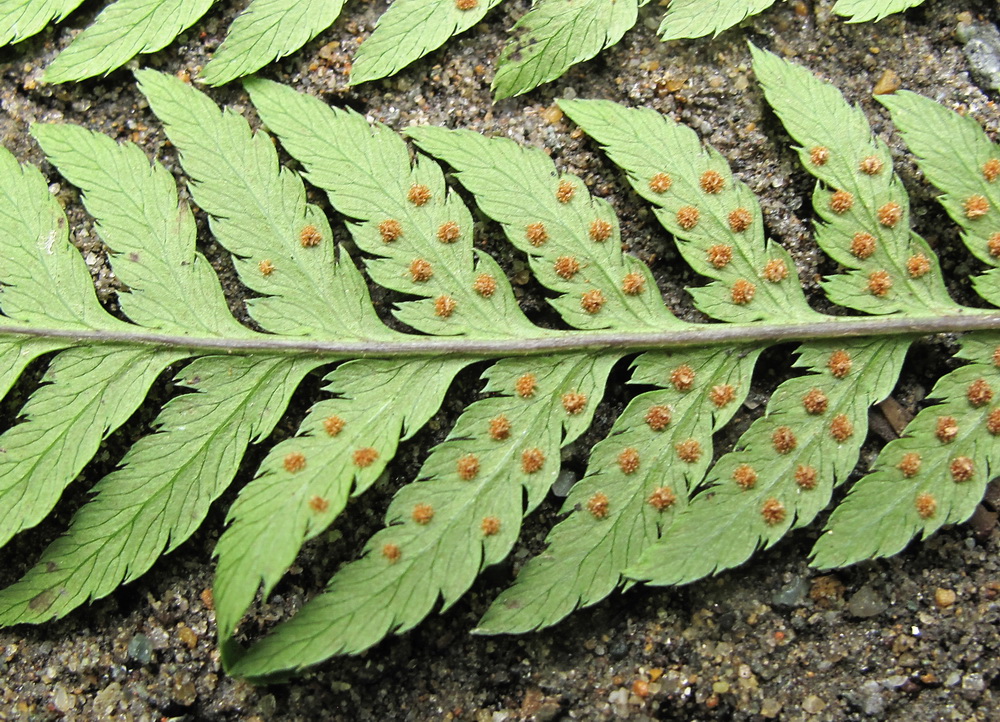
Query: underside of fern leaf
(657, 503)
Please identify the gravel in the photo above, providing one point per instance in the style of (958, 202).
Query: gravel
(913, 637)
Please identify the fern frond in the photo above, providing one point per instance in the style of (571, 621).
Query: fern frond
(20, 19)
(696, 18)
(652, 505)
(124, 29)
(572, 240)
(556, 34)
(266, 31)
(409, 30)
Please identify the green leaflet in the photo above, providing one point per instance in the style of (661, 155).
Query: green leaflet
(20, 19)
(695, 18)
(956, 155)
(864, 208)
(278, 511)
(86, 394)
(859, 11)
(935, 475)
(617, 509)
(783, 470)
(573, 244)
(259, 213)
(715, 218)
(474, 518)
(124, 29)
(410, 29)
(556, 34)
(266, 31)
(162, 493)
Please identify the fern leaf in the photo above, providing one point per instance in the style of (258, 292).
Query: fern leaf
(410, 29)
(259, 213)
(20, 19)
(715, 218)
(696, 18)
(136, 201)
(405, 213)
(864, 207)
(784, 467)
(572, 239)
(162, 493)
(87, 392)
(556, 34)
(458, 517)
(123, 30)
(616, 510)
(45, 282)
(266, 31)
(652, 505)
(957, 157)
(935, 475)
(860, 11)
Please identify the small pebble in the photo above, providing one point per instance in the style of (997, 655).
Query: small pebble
(944, 598)
(140, 649)
(888, 83)
(866, 602)
(813, 704)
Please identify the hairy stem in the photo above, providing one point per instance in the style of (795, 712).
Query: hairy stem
(547, 342)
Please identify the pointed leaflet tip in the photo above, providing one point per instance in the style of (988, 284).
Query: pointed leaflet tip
(121, 31)
(409, 29)
(266, 31)
(555, 35)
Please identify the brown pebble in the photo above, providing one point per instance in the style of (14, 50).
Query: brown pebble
(944, 598)
(187, 636)
(888, 83)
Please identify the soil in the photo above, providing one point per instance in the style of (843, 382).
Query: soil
(914, 637)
